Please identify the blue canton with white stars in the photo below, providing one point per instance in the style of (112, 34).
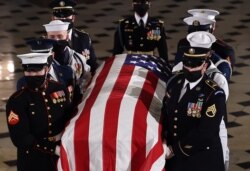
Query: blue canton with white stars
(155, 64)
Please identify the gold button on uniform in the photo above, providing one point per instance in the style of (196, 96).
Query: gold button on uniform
(175, 134)
(175, 118)
(175, 111)
(43, 93)
(175, 126)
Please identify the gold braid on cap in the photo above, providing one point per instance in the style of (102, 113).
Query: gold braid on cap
(64, 7)
(191, 53)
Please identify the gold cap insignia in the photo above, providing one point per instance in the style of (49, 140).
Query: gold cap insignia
(196, 23)
(62, 3)
(191, 51)
(211, 111)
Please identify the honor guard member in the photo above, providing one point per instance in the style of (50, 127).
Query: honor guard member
(66, 56)
(192, 111)
(220, 47)
(204, 24)
(57, 72)
(205, 40)
(63, 74)
(140, 33)
(79, 40)
(36, 116)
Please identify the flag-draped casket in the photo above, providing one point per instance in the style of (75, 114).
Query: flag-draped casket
(117, 125)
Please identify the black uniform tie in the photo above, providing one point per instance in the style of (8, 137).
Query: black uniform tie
(141, 24)
(184, 90)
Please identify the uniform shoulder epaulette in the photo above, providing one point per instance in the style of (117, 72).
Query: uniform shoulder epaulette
(121, 20)
(82, 31)
(157, 21)
(161, 21)
(18, 93)
(212, 84)
(176, 78)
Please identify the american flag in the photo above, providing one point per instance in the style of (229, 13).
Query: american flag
(117, 125)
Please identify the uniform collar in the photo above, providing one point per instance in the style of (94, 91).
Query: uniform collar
(192, 84)
(144, 18)
(52, 73)
(70, 34)
(211, 65)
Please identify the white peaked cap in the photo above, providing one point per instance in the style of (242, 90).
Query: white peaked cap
(56, 25)
(206, 13)
(34, 58)
(201, 39)
(202, 20)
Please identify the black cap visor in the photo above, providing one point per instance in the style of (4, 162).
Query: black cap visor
(192, 62)
(33, 67)
(63, 13)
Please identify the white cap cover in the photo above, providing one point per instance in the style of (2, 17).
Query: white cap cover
(56, 25)
(201, 20)
(201, 39)
(34, 58)
(206, 13)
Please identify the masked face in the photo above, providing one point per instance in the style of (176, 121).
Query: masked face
(60, 54)
(34, 82)
(141, 8)
(60, 45)
(192, 76)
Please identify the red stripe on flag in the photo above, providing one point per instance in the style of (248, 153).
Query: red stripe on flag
(154, 153)
(112, 115)
(140, 122)
(82, 123)
(64, 159)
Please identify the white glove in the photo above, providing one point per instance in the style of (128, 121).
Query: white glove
(57, 150)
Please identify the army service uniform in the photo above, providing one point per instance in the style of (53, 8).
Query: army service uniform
(141, 40)
(191, 125)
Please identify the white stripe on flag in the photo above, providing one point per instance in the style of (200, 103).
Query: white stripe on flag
(126, 117)
(97, 116)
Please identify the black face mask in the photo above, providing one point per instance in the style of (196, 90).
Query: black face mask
(192, 76)
(71, 24)
(34, 82)
(60, 45)
(62, 56)
(141, 9)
